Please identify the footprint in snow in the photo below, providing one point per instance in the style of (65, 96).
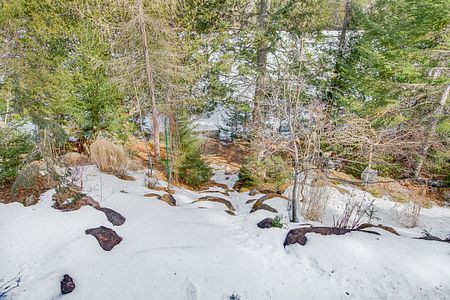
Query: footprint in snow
(191, 292)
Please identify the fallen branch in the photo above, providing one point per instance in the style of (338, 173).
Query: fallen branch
(433, 238)
(387, 228)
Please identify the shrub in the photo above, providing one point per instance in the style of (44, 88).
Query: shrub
(277, 222)
(109, 157)
(316, 198)
(191, 168)
(409, 214)
(268, 173)
(354, 211)
(14, 146)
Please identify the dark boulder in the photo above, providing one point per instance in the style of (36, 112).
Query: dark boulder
(106, 237)
(67, 285)
(266, 223)
(114, 217)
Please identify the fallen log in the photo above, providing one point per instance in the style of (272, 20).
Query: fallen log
(298, 235)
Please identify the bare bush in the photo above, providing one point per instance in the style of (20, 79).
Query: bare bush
(6, 286)
(315, 203)
(109, 157)
(354, 211)
(409, 214)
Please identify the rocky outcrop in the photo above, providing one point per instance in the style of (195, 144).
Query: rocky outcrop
(259, 204)
(266, 223)
(106, 237)
(153, 195)
(298, 235)
(70, 197)
(218, 200)
(219, 192)
(250, 201)
(67, 285)
(169, 199)
(114, 217)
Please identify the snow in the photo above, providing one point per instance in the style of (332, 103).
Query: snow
(184, 252)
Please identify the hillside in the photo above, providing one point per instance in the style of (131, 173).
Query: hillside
(195, 250)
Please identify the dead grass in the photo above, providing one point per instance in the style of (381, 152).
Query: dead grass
(109, 157)
(316, 199)
(409, 214)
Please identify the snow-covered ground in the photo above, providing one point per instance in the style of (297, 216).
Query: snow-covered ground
(198, 251)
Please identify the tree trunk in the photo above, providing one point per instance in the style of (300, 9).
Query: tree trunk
(431, 130)
(294, 203)
(341, 46)
(151, 84)
(261, 63)
(345, 24)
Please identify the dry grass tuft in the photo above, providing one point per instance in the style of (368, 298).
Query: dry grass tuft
(109, 157)
(409, 214)
(316, 199)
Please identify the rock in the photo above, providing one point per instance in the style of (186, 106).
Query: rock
(227, 177)
(88, 200)
(114, 217)
(219, 192)
(216, 199)
(267, 191)
(266, 223)
(259, 204)
(169, 199)
(243, 190)
(216, 184)
(298, 235)
(231, 213)
(237, 185)
(253, 192)
(369, 175)
(106, 237)
(250, 201)
(67, 285)
(446, 196)
(265, 207)
(153, 195)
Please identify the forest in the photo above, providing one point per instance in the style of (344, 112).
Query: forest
(304, 116)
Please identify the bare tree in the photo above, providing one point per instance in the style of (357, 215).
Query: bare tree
(431, 131)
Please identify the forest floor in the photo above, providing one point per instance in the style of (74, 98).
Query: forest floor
(196, 250)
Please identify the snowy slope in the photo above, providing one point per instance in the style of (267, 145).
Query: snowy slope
(193, 252)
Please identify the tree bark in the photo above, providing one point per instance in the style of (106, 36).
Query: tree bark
(431, 131)
(151, 84)
(345, 25)
(261, 63)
